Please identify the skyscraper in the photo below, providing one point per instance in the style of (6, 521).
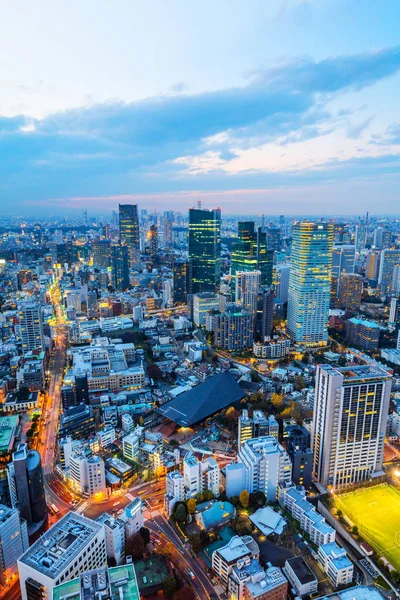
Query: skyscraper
(247, 288)
(360, 235)
(264, 314)
(349, 423)
(204, 249)
(129, 228)
(250, 253)
(13, 542)
(389, 260)
(120, 267)
(343, 258)
(153, 241)
(30, 322)
(25, 477)
(101, 252)
(180, 280)
(350, 291)
(310, 282)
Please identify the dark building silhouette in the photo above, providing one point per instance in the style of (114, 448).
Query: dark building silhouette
(120, 267)
(264, 314)
(298, 447)
(250, 253)
(25, 477)
(129, 228)
(180, 280)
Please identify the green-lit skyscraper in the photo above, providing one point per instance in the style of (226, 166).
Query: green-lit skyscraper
(129, 228)
(120, 266)
(310, 282)
(250, 253)
(204, 250)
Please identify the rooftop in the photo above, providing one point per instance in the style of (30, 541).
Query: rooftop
(273, 578)
(301, 569)
(268, 521)
(364, 323)
(238, 547)
(56, 548)
(357, 371)
(116, 583)
(8, 426)
(204, 400)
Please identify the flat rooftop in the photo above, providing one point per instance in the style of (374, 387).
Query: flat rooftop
(56, 548)
(116, 583)
(8, 425)
(301, 569)
(358, 372)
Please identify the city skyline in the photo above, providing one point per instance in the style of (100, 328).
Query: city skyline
(158, 116)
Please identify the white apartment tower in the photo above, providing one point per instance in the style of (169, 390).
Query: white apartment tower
(267, 464)
(200, 476)
(349, 423)
(247, 287)
(30, 323)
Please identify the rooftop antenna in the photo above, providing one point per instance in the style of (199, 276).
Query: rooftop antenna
(199, 204)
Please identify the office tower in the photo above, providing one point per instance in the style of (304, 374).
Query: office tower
(382, 238)
(361, 235)
(101, 253)
(72, 546)
(13, 542)
(372, 267)
(167, 291)
(363, 334)
(30, 322)
(264, 317)
(309, 282)
(349, 423)
(245, 428)
(394, 313)
(233, 329)
(250, 253)
(25, 479)
(273, 239)
(247, 288)
(120, 267)
(180, 274)
(87, 474)
(204, 250)
(153, 241)
(82, 388)
(92, 305)
(267, 464)
(298, 447)
(77, 422)
(343, 258)
(129, 229)
(281, 282)
(203, 303)
(389, 260)
(350, 291)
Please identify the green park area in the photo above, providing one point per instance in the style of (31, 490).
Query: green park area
(376, 512)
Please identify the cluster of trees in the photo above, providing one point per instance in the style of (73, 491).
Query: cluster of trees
(183, 509)
(136, 545)
(245, 499)
(171, 591)
(34, 427)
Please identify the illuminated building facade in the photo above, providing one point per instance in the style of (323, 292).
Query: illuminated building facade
(250, 253)
(350, 291)
(343, 258)
(389, 260)
(204, 249)
(120, 267)
(310, 282)
(129, 228)
(30, 323)
(153, 241)
(349, 423)
(362, 333)
(180, 280)
(247, 288)
(101, 253)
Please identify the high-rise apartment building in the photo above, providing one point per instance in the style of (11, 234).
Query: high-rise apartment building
(101, 253)
(281, 282)
(259, 425)
(129, 228)
(389, 260)
(382, 237)
(350, 291)
(73, 545)
(250, 253)
(31, 327)
(200, 476)
(267, 464)
(362, 333)
(349, 423)
(120, 266)
(360, 235)
(372, 267)
(233, 329)
(204, 250)
(87, 474)
(13, 542)
(343, 259)
(247, 288)
(310, 282)
(25, 478)
(203, 303)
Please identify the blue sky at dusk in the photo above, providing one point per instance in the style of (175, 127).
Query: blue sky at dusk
(260, 106)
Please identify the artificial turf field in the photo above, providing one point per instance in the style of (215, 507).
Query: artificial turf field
(376, 512)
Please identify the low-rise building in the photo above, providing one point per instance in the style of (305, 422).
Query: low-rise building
(336, 564)
(174, 490)
(114, 583)
(115, 537)
(362, 333)
(300, 576)
(226, 558)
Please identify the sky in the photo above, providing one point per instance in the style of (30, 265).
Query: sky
(274, 107)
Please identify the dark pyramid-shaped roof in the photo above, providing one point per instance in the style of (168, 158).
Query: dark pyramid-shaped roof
(216, 393)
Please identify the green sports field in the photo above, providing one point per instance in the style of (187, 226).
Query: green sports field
(376, 512)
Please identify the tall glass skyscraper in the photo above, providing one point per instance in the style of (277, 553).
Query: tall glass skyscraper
(250, 253)
(120, 267)
(310, 282)
(129, 228)
(204, 249)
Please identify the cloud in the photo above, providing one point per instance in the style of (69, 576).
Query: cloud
(162, 143)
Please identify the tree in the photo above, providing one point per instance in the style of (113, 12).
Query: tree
(181, 513)
(259, 498)
(339, 513)
(299, 383)
(354, 529)
(277, 401)
(244, 498)
(235, 500)
(242, 525)
(191, 506)
(135, 547)
(185, 593)
(154, 372)
(208, 495)
(199, 498)
(145, 533)
(169, 587)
